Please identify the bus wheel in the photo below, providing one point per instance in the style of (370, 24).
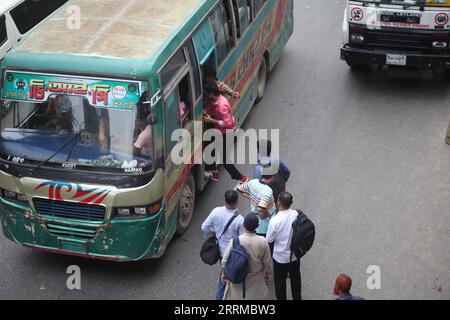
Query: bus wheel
(262, 78)
(186, 205)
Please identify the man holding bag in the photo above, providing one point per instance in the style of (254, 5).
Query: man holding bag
(224, 223)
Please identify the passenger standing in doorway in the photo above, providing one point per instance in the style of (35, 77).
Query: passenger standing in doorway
(221, 116)
(279, 234)
(216, 223)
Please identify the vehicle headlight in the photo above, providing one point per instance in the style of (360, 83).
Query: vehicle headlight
(439, 44)
(13, 196)
(355, 37)
(137, 212)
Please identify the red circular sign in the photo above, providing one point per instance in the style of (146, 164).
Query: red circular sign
(441, 19)
(357, 14)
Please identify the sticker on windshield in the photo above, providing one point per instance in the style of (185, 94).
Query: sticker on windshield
(113, 94)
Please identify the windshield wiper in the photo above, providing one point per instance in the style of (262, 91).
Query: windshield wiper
(72, 139)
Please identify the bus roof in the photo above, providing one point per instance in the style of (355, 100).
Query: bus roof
(5, 5)
(116, 37)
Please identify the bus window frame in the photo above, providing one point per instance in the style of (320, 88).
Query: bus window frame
(233, 28)
(174, 85)
(196, 98)
(257, 13)
(251, 18)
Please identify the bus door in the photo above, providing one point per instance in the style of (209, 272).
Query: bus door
(181, 83)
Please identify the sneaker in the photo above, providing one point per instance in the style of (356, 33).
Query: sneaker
(213, 175)
(243, 180)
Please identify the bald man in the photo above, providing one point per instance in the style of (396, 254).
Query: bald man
(342, 288)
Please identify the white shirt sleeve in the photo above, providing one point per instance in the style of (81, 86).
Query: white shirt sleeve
(270, 236)
(208, 225)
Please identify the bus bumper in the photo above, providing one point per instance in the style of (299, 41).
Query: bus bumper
(379, 57)
(129, 240)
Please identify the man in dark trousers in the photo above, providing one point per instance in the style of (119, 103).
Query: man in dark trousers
(220, 115)
(342, 288)
(216, 223)
(279, 235)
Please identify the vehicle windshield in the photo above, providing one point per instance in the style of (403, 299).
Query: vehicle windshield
(68, 131)
(409, 2)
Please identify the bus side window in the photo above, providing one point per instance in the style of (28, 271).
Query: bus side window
(223, 34)
(172, 121)
(242, 10)
(178, 108)
(195, 70)
(172, 68)
(3, 33)
(257, 5)
(185, 109)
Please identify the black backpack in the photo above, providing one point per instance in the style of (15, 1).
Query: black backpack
(210, 252)
(303, 235)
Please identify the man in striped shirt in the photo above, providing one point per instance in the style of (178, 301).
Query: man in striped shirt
(261, 199)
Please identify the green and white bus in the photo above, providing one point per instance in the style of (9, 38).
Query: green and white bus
(85, 166)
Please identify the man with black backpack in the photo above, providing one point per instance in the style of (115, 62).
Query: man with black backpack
(279, 234)
(223, 224)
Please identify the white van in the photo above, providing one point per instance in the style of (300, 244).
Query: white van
(19, 17)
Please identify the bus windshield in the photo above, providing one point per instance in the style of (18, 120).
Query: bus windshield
(69, 132)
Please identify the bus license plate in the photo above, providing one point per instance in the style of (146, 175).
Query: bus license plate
(396, 60)
(72, 246)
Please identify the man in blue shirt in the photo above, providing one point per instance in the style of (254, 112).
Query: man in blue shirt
(266, 160)
(215, 225)
(342, 288)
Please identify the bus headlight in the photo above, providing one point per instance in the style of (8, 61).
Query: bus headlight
(13, 196)
(137, 212)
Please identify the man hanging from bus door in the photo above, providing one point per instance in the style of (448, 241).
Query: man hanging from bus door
(221, 116)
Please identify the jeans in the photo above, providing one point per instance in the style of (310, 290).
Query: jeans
(280, 273)
(220, 288)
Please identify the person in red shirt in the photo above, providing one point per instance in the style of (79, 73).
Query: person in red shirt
(220, 115)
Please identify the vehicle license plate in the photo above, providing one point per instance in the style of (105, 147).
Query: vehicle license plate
(396, 60)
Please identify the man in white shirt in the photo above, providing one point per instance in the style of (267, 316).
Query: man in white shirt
(279, 234)
(215, 225)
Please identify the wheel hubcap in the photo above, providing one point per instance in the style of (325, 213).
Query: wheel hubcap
(186, 206)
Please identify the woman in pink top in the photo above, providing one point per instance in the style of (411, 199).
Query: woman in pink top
(221, 116)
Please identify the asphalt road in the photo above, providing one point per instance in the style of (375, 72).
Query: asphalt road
(369, 164)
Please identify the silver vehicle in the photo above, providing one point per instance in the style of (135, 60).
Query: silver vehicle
(19, 17)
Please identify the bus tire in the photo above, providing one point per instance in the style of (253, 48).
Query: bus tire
(262, 79)
(186, 205)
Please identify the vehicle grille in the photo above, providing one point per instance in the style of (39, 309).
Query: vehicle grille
(401, 40)
(69, 210)
(79, 232)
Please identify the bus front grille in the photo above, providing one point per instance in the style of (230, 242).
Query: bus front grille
(79, 232)
(69, 210)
